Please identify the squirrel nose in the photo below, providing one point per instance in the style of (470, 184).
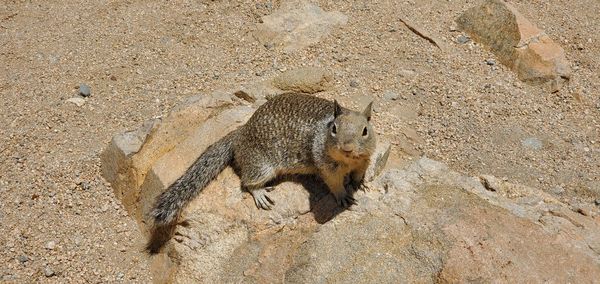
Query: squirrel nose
(348, 148)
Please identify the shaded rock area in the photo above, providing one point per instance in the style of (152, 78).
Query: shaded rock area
(419, 222)
(297, 24)
(518, 43)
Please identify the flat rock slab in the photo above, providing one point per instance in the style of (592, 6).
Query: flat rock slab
(421, 222)
(518, 43)
(297, 24)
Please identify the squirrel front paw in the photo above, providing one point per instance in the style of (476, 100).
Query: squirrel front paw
(345, 200)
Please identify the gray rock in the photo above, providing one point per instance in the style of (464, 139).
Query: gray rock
(85, 90)
(462, 39)
(48, 271)
(532, 143)
(50, 245)
(22, 258)
(597, 202)
(390, 95)
(558, 190)
(353, 83)
(490, 62)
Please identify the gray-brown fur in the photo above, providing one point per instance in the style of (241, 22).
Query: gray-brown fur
(289, 134)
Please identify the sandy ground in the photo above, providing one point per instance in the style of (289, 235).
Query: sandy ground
(60, 221)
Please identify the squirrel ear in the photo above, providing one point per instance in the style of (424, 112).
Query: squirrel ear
(337, 109)
(367, 111)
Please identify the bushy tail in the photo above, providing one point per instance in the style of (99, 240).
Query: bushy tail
(170, 203)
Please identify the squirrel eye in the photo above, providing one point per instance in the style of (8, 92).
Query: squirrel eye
(365, 131)
(333, 129)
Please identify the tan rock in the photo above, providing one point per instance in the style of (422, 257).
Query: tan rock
(422, 223)
(308, 80)
(518, 43)
(297, 24)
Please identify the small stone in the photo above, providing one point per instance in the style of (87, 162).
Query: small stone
(462, 39)
(77, 101)
(85, 90)
(417, 92)
(490, 62)
(50, 245)
(597, 202)
(120, 276)
(113, 78)
(269, 45)
(22, 258)
(353, 83)
(389, 95)
(48, 271)
(557, 190)
(532, 143)
(85, 185)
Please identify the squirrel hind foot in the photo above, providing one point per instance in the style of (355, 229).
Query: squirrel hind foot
(261, 199)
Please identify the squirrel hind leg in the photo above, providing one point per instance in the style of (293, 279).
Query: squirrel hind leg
(254, 181)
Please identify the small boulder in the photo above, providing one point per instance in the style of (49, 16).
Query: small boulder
(308, 80)
(518, 43)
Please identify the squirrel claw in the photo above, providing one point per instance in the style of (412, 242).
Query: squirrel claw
(346, 201)
(261, 199)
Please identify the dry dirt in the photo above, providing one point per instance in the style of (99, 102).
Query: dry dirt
(59, 220)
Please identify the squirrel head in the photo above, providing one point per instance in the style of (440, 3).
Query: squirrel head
(351, 136)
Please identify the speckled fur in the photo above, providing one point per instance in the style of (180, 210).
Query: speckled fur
(289, 134)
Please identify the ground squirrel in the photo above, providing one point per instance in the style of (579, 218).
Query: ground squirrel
(289, 134)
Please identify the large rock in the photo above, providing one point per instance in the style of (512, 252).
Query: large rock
(420, 222)
(297, 24)
(517, 42)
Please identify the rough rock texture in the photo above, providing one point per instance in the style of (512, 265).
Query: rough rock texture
(304, 80)
(420, 222)
(517, 42)
(297, 24)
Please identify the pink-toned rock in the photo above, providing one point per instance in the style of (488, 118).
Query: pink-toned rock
(518, 43)
(420, 222)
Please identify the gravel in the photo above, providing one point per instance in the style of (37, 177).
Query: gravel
(212, 47)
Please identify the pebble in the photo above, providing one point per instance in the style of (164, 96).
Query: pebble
(597, 202)
(353, 83)
(85, 90)
(48, 271)
(462, 39)
(417, 92)
(50, 245)
(532, 143)
(557, 190)
(22, 258)
(77, 101)
(490, 62)
(85, 185)
(390, 95)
